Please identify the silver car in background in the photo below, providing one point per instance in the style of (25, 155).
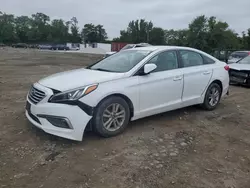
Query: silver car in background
(128, 46)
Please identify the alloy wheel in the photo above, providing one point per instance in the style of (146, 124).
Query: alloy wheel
(113, 117)
(214, 96)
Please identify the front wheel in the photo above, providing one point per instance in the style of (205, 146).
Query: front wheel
(111, 117)
(212, 97)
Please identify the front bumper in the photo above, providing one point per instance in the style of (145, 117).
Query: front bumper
(77, 118)
(240, 80)
(239, 77)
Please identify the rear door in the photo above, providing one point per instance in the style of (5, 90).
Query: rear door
(197, 70)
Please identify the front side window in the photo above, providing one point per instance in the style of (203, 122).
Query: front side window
(165, 61)
(122, 61)
(190, 58)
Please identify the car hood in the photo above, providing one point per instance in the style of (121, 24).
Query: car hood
(239, 67)
(78, 78)
(110, 53)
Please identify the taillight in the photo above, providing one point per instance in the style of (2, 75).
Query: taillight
(227, 68)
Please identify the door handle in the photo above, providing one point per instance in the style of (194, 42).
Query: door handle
(178, 78)
(207, 72)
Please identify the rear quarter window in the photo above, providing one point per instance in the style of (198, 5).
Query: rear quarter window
(207, 60)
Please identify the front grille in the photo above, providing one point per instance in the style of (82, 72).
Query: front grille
(36, 95)
(237, 73)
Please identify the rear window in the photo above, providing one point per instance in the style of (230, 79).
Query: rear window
(238, 55)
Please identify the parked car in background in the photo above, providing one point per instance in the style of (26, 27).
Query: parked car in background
(59, 47)
(73, 46)
(32, 46)
(20, 45)
(237, 55)
(129, 85)
(240, 72)
(222, 54)
(128, 46)
(44, 47)
(2, 45)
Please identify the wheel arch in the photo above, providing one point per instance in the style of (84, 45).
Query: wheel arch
(219, 83)
(126, 98)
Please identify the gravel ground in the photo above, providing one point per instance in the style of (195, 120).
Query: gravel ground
(187, 148)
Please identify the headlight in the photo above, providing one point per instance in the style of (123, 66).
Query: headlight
(73, 94)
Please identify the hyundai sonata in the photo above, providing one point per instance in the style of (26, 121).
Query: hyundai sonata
(124, 87)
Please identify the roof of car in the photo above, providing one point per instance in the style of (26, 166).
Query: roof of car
(242, 51)
(154, 48)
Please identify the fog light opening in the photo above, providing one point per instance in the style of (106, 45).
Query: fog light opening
(61, 122)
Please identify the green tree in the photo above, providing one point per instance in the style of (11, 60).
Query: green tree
(176, 37)
(59, 31)
(140, 31)
(157, 36)
(208, 34)
(7, 28)
(101, 33)
(197, 33)
(137, 31)
(22, 28)
(220, 36)
(91, 33)
(75, 35)
(40, 28)
(245, 40)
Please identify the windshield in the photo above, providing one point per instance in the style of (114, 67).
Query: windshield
(238, 55)
(121, 62)
(128, 46)
(245, 60)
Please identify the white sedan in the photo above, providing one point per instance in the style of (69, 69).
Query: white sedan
(127, 86)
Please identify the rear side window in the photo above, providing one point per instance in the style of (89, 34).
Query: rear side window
(190, 58)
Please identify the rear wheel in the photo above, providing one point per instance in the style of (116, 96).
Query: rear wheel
(111, 117)
(212, 97)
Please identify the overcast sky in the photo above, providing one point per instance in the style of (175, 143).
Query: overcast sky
(115, 14)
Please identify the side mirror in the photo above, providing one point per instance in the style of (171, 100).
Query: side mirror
(148, 68)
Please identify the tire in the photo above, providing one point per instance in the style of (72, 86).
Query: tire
(208, 104)
(101, 117)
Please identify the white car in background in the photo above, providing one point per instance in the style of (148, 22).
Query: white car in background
(239, 72)
(237, 55)
(128, 46)
(127, 86)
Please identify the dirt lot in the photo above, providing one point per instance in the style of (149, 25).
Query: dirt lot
(187, 148)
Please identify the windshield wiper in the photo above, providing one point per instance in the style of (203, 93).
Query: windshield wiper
(104, 70)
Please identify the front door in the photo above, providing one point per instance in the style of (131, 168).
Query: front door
(161, 90)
